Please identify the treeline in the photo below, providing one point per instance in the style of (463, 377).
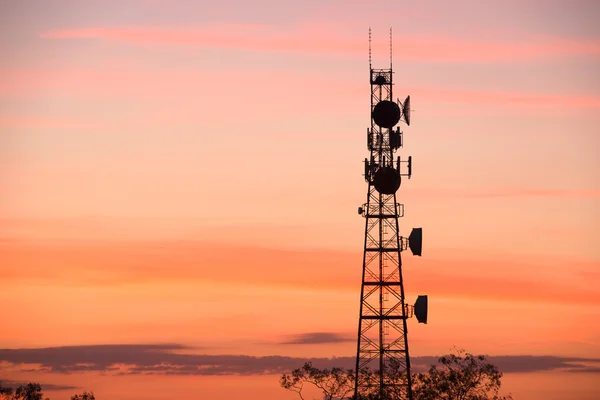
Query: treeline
(457, 376)
(33, 391)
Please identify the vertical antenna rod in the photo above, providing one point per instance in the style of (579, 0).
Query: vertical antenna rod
(369, 47)
(391, 48)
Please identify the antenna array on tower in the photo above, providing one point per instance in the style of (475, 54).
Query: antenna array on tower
(382, 328)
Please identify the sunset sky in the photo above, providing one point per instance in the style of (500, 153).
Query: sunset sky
(181, 179)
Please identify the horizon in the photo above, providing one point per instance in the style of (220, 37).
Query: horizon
(179, 184)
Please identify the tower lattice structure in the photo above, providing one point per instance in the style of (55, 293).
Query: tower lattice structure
(382, 360)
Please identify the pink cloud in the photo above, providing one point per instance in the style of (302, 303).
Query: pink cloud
(315, 41)
(508, 192)
(505, 98)
(227, 36)
(533, 192)
(154, 84)
(106, 264)
(40, 122)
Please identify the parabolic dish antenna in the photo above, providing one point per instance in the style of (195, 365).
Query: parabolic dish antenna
(387, 180)
(406, 110)
(421, 309)
(386, 114)
(415, 241)
(380, 80)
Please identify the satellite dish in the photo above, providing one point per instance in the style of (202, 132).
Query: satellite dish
(415, 241)
(380, 80)
(406, 110)
(386, 114)
(387, 180)
(421, 309)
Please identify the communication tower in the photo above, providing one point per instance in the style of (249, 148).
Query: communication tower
(382, 359)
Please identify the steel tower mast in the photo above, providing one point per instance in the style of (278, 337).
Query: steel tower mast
(382, 359)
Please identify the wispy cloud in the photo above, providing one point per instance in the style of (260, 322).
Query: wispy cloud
(260, 38)
(482, 97)
(510, 191)
(137, 83)
(46, 386)
(161, 359)
(9, 122)
(533, 192)
(318, 338)
(98, 263)
(592, 370)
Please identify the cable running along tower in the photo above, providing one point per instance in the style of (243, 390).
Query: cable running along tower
(382, 328)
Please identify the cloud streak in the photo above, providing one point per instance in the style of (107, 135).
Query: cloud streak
(45, 386)
(533, 192)
(104, 264)
(510, 191)
(261, 38)
(143, 84)
(318, 338)
(161, 359)
(504, 98)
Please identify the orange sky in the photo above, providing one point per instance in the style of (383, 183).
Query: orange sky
(190, 174)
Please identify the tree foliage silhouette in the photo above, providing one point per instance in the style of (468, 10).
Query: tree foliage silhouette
(458, 376)
(335, 383)
(30, 391)
(33, 391)
(5, 393)
(84, 396)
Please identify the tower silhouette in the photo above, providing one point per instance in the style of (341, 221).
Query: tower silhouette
(382, 359)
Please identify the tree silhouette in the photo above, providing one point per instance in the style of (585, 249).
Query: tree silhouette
(5, 393)
(460, 376)
(30, 391)
(84, 396)
(335, 383)
(33, 391)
